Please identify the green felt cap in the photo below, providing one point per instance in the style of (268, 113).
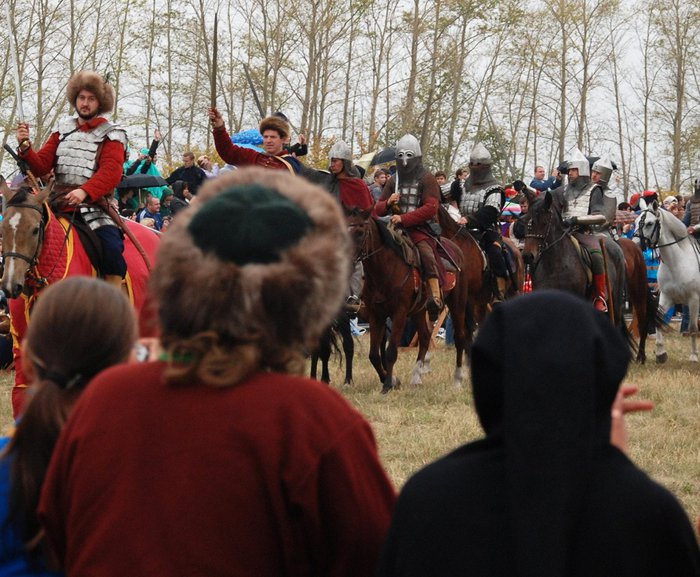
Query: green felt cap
(249, 224)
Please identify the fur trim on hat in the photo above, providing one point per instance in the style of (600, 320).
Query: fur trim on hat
(275, 123)
(92, 81)
(258, 316)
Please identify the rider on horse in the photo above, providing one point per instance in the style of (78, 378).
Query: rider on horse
(86, 153)
(584, 207)
(480, 204)
(412, 196)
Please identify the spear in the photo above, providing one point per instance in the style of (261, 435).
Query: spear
(15, 63)
(214, 57)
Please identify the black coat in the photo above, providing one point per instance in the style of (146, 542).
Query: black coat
(545, 494)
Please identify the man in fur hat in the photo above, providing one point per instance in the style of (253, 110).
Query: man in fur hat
(275, 132)
(86, 153)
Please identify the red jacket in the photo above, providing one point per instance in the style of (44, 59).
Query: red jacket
(108, 174)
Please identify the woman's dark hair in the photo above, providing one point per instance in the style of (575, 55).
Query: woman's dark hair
(179, 187)
(79, 327)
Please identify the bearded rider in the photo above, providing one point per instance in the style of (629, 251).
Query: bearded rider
(584, 207)
(86, 153)
(412, 197)
(480, 204)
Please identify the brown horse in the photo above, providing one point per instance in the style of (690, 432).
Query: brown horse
(479, 288)
(641, 299)
(393, 290)
(40, 248)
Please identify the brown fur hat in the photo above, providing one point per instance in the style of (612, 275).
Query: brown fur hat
(92, 81)
(275, 123)
(262, 315)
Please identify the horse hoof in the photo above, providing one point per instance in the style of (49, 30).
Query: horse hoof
(348, 383)
(386, 389)
(396, 382)
(662, 358)
(457, 384)
(693, 358)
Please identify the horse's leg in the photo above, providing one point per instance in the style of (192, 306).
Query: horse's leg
(424, 335)
(693, 306)
(376, 334)
(398, 324)
(314, 364)
(665, 304)
(348, 346)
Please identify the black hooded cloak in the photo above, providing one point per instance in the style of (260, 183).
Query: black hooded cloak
(544, 494)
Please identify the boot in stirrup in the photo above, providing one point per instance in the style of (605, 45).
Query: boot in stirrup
(600, 293)
(500, 295)
(434, 304)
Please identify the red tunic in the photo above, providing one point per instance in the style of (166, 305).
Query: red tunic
(427, 211)
(354, 193)
(275, 476)
(240, 156)
(108, 174)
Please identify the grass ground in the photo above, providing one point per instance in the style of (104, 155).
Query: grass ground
(414, 426)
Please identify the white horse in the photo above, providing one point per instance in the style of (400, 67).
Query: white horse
(679, 271)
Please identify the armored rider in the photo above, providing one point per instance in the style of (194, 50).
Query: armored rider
(87, 154)
(412, 197)
(601, 172)
(584, 207)
(480, 204)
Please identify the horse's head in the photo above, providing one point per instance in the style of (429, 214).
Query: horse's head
(358, 221)
(22, 229)
(542, 220)
(647, 226)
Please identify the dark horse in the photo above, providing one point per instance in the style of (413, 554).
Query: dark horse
(478, 284)
(556, 262)
(393, 289)
(340, 327)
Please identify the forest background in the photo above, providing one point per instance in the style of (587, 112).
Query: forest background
(530, 79)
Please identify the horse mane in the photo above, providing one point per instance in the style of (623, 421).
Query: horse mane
(672, 223)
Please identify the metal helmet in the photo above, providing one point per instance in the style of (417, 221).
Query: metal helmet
(578, 160)
(340, 150)
(480, 155)
(407, 148)
(604, 167)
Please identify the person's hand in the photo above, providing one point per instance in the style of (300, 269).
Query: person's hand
(23, 136)
(555, 173)
(217, 121)
(622, 406)
(691, 230)
(464, 220)
(396, 219)
(302, 139)
(157, 135)
(393, 199)
(76, 196)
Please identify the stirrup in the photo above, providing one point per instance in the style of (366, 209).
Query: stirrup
(600, 304)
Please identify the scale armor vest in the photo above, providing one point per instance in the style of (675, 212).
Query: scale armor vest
(410, 198)
(76, 155)
(473, 200)
(579, 206)
(694, 213)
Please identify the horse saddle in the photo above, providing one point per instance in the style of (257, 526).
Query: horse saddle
(397, 239)
(585, 256)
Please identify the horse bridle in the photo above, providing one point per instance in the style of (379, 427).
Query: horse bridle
(362, 255)
(542, 244)
(655, 233)
(32, 262)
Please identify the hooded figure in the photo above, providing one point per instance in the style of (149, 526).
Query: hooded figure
(247, 281)
(412, 198)
(545, 493)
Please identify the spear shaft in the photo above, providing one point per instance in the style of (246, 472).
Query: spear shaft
(14, 62)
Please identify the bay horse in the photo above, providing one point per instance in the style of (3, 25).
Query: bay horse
(394, 289)
(340, 327)
(478, 285)
(40, 248)
(557, 263)
(679, 271)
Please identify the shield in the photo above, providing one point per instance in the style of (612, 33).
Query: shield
(141, 181)
(383, 156)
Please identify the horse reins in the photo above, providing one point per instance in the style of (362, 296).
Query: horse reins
(542, 244)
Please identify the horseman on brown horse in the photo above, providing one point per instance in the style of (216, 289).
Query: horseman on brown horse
(412, 198)
(480, 204)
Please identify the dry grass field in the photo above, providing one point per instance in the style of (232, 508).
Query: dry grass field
(414, 426)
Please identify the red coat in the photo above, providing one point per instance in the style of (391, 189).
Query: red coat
(354, 193)
(108, 174)
(426, 211)
(277, 475)
(240, 156)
